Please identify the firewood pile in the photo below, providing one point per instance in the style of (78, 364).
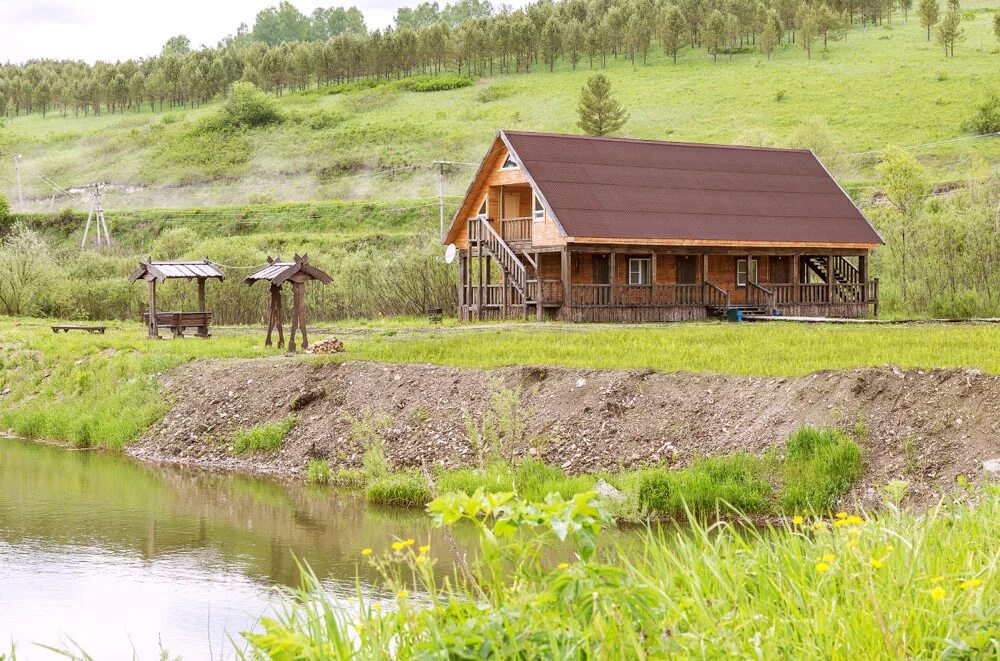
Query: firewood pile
(329, 345)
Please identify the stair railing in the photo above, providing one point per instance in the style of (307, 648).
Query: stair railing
(488, 238)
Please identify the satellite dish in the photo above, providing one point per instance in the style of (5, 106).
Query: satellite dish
(449, 253)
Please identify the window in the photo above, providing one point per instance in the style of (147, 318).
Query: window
(741, 271)
(482, 209)
(538, 210)
(640, 271)
(508, 163)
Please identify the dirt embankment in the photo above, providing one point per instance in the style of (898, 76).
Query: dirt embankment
(925, 427)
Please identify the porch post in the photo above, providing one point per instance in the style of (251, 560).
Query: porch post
(461, 284)
(704, 276)
(539, 293)
(612, 272)
(468, 283)
(567, 296)
(479, 306)
(863, 269)
(796, 277)
(829, 279)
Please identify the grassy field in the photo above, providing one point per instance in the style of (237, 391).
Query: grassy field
(103, 389)
(767, 349)
(877, 87)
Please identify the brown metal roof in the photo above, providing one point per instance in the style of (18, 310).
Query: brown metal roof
(619, 188)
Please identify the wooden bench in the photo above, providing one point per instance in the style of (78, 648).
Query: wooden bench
(68, 327)
(179, 321)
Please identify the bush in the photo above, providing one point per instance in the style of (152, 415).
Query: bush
(495, 92)
(405, 489)
(821, 465)
(246, 108)
(264, 438)
(987, 117)
(655, 491)
(318, 471)
(174, 243)
(434, 83)
(4, 207)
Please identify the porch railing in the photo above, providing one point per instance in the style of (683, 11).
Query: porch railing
(784, 294)
(492, 296)
(516, 229)
(551, 291)
(660, 295)
(814, 293)
(759, 296)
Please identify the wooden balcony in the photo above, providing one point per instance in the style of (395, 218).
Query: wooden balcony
(516, 230)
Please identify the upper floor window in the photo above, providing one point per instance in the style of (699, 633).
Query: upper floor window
(509, 163)
(640, 271)
(538, 210)
(482, 209)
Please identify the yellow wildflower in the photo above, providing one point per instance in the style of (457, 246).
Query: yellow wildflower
(852, 543)
(376, 607)
(797, 520)
(840, 523)
(971, 583)
(425, 548)
(397, 546)
(938, 593)
(421, 559)
(856, 532)
(819, 525)
(409, 542)
(366, 551)
(841, 515)
(822, 567)
(829, 557)
(563, 565)
(937, 579)
(403, 594)
(876, 563)
(855, 520)
(890, 548)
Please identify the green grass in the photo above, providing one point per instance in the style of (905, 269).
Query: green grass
(766, 349)
(820, 466)
(902, 585)
(100, 390)
(712, 484)
(405, 488)
(877, 87)
(318, 471)
(264, 438)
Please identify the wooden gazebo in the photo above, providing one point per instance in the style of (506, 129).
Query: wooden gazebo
(155, 272)
(297, 272)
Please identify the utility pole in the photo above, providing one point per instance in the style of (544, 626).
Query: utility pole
(96, 214)
(17, 176)
(441, 165)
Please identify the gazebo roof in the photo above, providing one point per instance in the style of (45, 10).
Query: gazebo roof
(150, 269)
(277, 272)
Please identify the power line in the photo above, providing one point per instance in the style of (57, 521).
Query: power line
(927, 144)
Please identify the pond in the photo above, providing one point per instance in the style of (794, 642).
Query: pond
(101, 552)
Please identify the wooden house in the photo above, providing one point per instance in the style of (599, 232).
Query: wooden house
(609, 229)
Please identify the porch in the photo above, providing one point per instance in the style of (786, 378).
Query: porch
(633, 283)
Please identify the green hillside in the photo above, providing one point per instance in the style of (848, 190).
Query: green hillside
(875, 87)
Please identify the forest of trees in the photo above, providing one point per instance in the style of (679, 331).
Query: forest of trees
(287, 50)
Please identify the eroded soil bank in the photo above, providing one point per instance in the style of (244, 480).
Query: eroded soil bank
(926, 427)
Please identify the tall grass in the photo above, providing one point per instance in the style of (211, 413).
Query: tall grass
(903, 585)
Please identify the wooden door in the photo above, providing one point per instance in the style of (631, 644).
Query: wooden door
(781, 270)
(687, 270)
(601, 269)
(511, 205)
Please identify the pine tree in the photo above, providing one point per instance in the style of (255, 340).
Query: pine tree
(930, 13)
(950, 31)
(770, 35)
(673, 31)
(996, 24)
(600, 112)
(715, 33)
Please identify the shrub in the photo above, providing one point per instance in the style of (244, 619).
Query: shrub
(655, 491)
(406, 489)
(495, 92)
(246, 107)
(174, 243)
(318, 471)
(987, 117)
(434, 83)
(4, 207)
(821, 465)
(264, 438)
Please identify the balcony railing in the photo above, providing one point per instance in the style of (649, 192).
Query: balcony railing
(551, 291)
(516, 229)
(666, 295)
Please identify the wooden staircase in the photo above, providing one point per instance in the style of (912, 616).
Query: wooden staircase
(844, 273)
(491, 244)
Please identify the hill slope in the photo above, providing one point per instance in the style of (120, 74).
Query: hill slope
(880, 86)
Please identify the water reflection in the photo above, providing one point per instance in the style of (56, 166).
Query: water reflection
(114, 554)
